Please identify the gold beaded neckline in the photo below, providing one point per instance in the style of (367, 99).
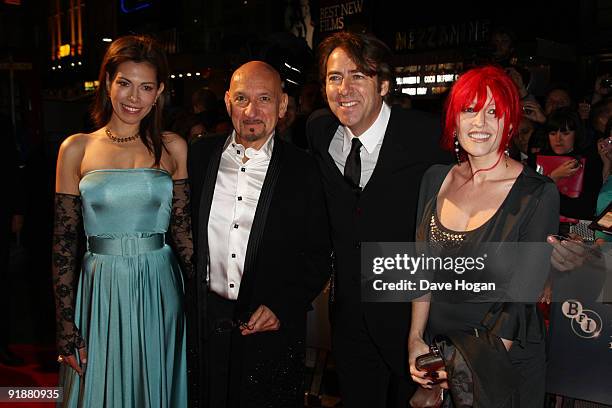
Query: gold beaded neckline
(116, 139)
(445, 238)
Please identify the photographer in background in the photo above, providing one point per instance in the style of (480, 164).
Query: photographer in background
(599, 115)
(602, 89)
(596, 107)
(604, 148)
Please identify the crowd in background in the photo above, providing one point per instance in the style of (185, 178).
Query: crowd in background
(577, 125)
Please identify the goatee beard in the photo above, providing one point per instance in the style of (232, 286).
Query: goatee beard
(250, 136)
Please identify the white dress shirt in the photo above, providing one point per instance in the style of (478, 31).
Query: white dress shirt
(371, 140)
(237, 191)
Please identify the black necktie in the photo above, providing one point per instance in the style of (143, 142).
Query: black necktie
(352, 167)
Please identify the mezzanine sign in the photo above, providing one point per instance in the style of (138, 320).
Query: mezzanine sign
(442, 36)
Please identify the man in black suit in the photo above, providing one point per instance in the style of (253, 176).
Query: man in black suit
(372, 158)
(262, 249)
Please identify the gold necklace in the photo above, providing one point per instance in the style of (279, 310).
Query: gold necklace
(120, 139)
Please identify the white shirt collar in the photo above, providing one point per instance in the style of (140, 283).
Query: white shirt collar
(371, 137)
(266, 148)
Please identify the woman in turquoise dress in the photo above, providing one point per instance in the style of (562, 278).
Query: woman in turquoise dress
(121, 330)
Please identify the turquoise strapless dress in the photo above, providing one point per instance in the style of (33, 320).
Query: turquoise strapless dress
(129, 305)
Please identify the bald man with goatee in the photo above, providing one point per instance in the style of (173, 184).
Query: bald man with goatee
(262, 249)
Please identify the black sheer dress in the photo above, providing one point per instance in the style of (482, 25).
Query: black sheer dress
(528, 214)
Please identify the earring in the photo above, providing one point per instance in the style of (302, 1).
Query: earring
(506, 155)
(456, 147)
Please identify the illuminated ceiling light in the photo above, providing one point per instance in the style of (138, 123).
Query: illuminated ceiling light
(189, 74)
(180, 75)
(59, 67)
(293, 82)
(72, 64)
(197, 74)
(53, 68)
(172, 76)
(79, 63)
(64, 50)
(106, 39)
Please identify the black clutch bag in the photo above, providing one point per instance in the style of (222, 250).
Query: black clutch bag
(431, 361)
(429, 397)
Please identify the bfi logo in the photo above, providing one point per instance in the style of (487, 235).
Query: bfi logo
(585, 323)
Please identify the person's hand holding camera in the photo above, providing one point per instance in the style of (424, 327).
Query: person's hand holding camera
(603, 84)
(567, 169)
(533, 111)
(568, 252)
(584, 110)
(604, 148)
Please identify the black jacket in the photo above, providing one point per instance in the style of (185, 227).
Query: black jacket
(286, 266)
(384, 211)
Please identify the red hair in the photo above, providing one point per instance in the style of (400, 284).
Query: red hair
(473, 84)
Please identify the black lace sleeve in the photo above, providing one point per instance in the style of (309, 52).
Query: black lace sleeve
(65, 247)
(180, 226)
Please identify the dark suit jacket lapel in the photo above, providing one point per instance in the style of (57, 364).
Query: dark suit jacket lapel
(206, 197)
(387, 153)
(243, 309)
(330, 132)
(198, 385)
(248, 282)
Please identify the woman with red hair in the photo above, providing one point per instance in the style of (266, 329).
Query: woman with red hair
(486, 197)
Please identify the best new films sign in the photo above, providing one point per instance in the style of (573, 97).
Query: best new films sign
(335, 15)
